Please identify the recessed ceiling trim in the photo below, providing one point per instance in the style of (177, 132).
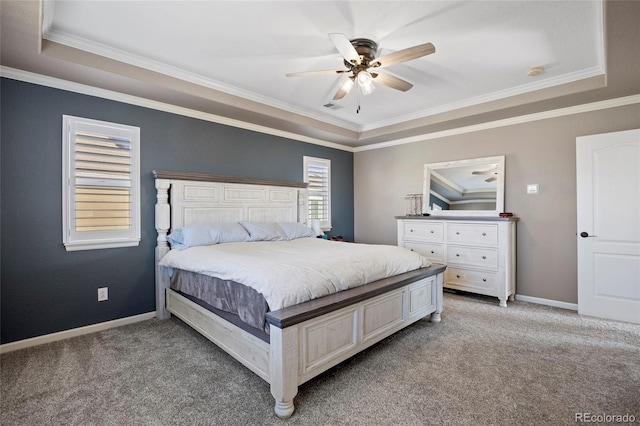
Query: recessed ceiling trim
(56, 83)
(561, 112)
(79, 43)
(495, 96)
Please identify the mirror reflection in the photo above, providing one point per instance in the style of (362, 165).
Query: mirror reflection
(465, 187)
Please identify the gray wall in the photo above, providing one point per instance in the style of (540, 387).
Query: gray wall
(45, 289)
(541, 152)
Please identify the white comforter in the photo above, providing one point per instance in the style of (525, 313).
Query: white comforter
(290, 272)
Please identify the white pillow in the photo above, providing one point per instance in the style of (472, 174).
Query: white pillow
(207, 234)
(264, 231)
(192, 235)
(295, 230)
(229, 232)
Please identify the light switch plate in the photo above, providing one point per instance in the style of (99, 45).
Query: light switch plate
(533, 188)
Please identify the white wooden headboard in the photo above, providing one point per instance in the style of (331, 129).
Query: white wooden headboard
(191, 198)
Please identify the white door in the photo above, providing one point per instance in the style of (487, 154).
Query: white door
(608, 185)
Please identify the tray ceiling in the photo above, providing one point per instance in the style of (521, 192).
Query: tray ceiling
(231, 57)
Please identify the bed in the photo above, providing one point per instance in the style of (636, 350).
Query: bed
(299, 340)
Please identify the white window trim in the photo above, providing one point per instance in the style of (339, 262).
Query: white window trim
(307, 161)
(103, 239)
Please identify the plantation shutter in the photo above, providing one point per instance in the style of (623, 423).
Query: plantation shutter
(103, 189)
(318, 176)
(103, 183)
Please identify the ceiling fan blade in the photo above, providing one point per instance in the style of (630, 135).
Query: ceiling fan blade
(491, 179)
(344, 89)
(345, 48)
(315, 73)
(404, 55)
(392, 81)
(484, 172)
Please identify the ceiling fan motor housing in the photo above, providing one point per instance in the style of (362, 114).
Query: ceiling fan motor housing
(366, 49)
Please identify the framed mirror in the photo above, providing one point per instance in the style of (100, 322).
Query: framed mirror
(473, 187)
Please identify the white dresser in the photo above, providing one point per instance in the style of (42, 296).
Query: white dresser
(480, 252)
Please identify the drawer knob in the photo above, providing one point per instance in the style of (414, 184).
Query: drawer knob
(484, 234)
(432, 231)
(457, 233)
(411, 249)
(457, 276)
(432, 252)
(484, 257)
(410, 230)
(484, 279)
(457, 255)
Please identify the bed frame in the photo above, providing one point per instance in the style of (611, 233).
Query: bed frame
(305, 339)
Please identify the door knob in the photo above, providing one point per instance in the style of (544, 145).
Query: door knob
(586, 235)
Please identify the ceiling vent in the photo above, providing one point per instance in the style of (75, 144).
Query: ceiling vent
(331, 105)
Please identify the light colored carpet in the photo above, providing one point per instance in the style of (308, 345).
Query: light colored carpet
(482, 365)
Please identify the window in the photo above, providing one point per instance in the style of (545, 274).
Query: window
(317, 173)
(100, 184)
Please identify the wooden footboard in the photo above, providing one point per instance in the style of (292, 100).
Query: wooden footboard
(301, 350)
(312, 337)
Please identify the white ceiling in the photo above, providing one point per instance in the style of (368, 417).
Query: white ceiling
(244, 49)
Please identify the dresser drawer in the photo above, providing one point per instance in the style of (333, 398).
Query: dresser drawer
(423, 231)
(473, 256)
(433, 252)
(485, 234)
(457, 277)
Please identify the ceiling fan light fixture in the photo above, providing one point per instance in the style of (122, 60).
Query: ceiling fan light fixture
(347, 85)
(367, 88)
(365, 81)
(364, 78)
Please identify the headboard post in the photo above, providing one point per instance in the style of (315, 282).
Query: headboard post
(163, 212)
(303, 208)
(163, 217)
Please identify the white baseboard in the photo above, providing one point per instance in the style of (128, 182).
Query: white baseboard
(61, 335)
(53, 337)
(548, 302)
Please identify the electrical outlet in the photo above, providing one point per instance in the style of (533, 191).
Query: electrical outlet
(103, 294)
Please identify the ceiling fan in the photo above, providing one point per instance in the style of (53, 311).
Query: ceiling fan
(493, 171)
(360, 59)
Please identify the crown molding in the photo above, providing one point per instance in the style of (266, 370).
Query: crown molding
(561, 112)
(57, 83)
(491, 97)
(65, 39)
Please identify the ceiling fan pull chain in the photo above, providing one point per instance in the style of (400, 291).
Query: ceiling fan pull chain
(358, 98)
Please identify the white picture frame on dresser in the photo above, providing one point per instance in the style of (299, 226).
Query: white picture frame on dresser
(480, 252)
